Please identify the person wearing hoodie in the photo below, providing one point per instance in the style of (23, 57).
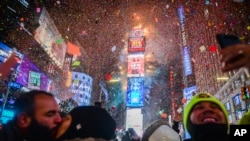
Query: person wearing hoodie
(206, 119)
(160, 131)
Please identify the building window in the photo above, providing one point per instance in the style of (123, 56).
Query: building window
(237, 106)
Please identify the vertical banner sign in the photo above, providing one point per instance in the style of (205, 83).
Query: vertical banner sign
(34, 80)
(187, 62)
(188, 93)
(186, 57)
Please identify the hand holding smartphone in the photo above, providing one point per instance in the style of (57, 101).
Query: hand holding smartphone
(231, 57)
(225, 40)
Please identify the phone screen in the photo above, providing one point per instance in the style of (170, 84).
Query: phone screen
(227, 40)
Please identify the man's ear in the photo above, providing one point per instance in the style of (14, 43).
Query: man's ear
(23, 120)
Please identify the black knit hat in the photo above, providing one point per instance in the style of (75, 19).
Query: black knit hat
(90, 121)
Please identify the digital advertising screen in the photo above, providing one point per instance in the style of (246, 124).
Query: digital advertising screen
(135, 65)
(7, 115)
(81, 87)
(50, 39)
(136, 44)
(188, 93)
(135, 92)
(29, 75)
(134, 119)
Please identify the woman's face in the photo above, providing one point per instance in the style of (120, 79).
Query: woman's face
(66, 121)
(207, 112)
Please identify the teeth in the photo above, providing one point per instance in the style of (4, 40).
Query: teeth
(209, 120)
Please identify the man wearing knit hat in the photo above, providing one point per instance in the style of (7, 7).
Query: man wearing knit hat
(206, 119)
(87, 123)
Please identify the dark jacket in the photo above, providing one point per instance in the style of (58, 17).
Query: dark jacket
(209, 132)
(10, 133)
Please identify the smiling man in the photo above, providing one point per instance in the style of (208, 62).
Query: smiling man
(206, 119)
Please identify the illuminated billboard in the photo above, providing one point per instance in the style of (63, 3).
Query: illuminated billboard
(136, 44)
(81, 87)
(135, 92)
(29, 75)
(134, 119)
(135, 65)
(49, 38)
(188, 93)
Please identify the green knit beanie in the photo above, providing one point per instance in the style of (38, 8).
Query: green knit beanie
(245, 120)
(200, 97)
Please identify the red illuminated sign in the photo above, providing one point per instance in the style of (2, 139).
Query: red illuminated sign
(135, 65)
(136, 44)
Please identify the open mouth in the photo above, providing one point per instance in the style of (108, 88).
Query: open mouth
(209, 120)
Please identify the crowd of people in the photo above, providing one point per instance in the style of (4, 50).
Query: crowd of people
(39, 118)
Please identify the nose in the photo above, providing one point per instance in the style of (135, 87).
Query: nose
(208, 108)
(58, 119)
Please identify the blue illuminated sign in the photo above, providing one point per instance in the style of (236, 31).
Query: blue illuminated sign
(7, 115)
(187, 62)
(5, 48)
(181, 14)
(135, 92)
(188, 93)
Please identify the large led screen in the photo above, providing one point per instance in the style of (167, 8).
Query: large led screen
(134, 119)
(81, 87)
(136, 44)
(29, 75)
(135, 92)
(135, 65)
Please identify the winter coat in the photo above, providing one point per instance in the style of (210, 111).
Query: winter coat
(10, 133)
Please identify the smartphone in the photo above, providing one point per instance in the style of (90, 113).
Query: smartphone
(225, 40)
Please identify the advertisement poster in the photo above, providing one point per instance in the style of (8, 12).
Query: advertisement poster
(81, 87)
(136, 44)
(135, 65)
(135, 92)
(25, 73)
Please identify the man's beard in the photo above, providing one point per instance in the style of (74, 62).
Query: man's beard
(38, 132)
